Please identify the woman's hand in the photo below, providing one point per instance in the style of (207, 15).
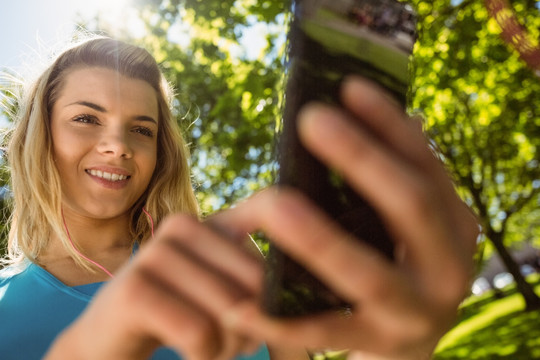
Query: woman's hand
(195, 289)
(401, 308)
(173, 293)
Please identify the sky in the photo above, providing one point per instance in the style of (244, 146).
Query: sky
(27, 26)
(31, 27)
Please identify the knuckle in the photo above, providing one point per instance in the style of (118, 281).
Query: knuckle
(175, 232)
(178, 224)
(457, 284)
(285, 198)
(375, 290)
(470, 224)
(421, 326)
(202, 339)
(150, 256)
(135, 291)
(400, 339)
(419, 200)
(393, 340)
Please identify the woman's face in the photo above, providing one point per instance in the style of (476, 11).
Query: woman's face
(104, 129)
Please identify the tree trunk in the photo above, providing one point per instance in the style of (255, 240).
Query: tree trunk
(532, 301)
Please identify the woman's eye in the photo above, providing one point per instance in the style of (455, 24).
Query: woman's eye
(86, 119)
(144, 131)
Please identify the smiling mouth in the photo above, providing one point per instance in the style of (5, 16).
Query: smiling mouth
(107, 175)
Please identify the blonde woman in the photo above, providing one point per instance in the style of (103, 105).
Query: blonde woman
(96, 163)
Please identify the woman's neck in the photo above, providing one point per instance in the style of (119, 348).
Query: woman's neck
(104, 241)
(97, 236)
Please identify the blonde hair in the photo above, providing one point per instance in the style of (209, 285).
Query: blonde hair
(35, 182)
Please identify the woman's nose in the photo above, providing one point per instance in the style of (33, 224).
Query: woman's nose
(115, 144)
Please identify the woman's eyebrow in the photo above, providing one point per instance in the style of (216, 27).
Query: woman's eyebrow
(103, 110)
(90, 105)
(146, 118)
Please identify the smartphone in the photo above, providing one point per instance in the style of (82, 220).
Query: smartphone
(328, 40)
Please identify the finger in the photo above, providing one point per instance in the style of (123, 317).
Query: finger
(327, 330)
(361, 355)
(410, 204)
(352, 269)
(191, 278)
(388, 183)
(370, 104)
(236, 343)
(242, 218)
(153, 311)
(212, 283)
(227, 257)
(289, 332)
(201, 284)
(241, 238)
(358, 273)
(167, 316)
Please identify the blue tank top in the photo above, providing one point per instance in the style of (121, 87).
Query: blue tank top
(35, 307)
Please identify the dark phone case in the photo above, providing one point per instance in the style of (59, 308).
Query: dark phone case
(327, 43)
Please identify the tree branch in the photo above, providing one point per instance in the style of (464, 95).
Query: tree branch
(522, 201)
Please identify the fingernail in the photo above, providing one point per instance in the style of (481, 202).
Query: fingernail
(320, 121)
(370, 90)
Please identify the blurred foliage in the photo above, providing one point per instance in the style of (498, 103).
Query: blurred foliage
(479, 100)
(481, 105)
(481, 108)
(494, 327)
(228, 98)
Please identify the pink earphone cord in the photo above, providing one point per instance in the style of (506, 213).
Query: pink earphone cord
(92, 261)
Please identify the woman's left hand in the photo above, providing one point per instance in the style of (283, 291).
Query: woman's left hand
(400, 308)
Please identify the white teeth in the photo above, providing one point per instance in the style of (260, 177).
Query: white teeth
(107, 176)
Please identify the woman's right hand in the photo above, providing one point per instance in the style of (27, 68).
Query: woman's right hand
(172, 294)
